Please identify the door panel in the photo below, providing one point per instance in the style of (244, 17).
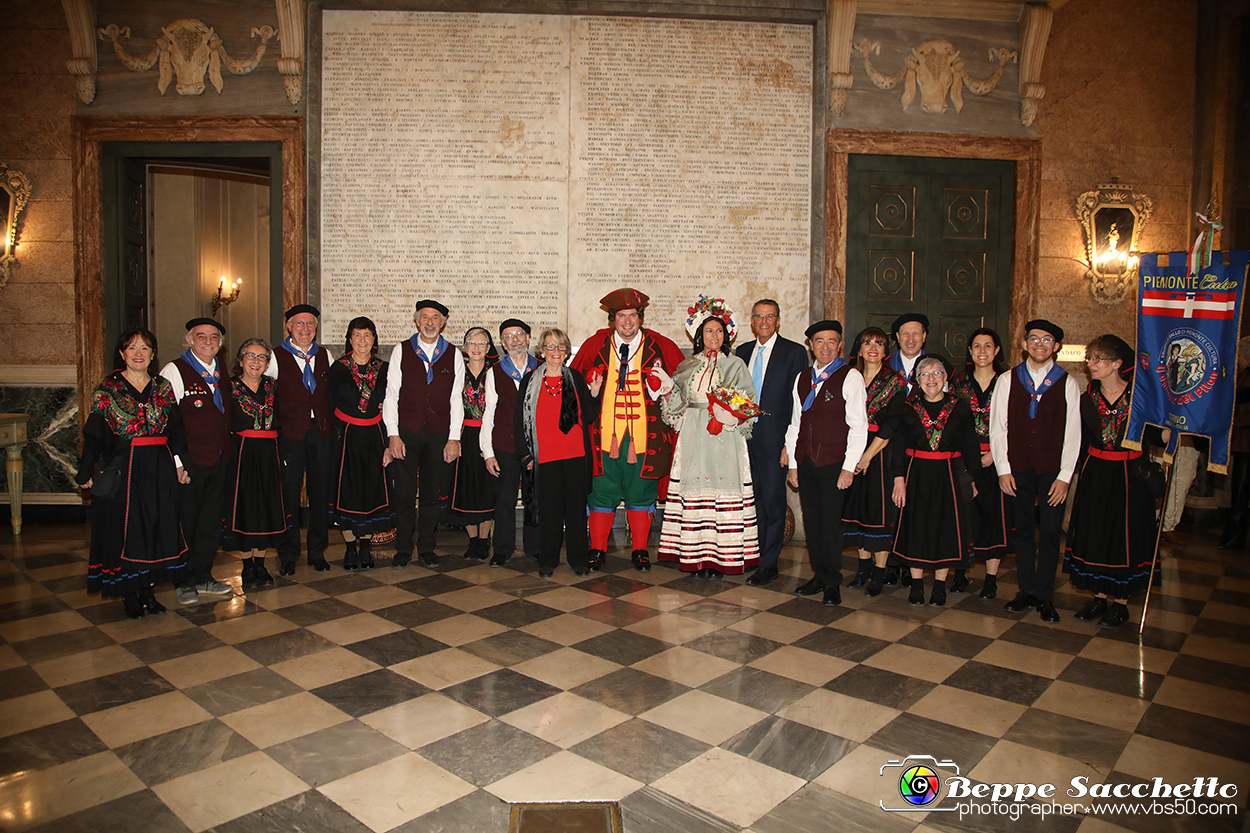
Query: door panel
(930, 235)
(134, 289)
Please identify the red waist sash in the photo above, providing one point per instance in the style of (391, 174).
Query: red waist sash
(932, 455)
(1114, 455)
(150, 441)
(472, 423)
(351, 420)
(985, 448)
(872, 426)
(259, 435)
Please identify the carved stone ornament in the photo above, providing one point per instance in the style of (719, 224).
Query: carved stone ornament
(186, 49)
(291, 64)
(841, 17)
(934, 66)
(14, 194)
(1112, 217)
(80, 15)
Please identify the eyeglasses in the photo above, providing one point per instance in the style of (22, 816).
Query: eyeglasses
(476, 344)
(1097, 359)
(932, 374)
(555, 348)
(256, 357)
(769, 317)
(1040, 340)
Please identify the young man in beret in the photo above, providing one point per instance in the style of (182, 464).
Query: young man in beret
(775, 363)
(424, 416)
(827, 436)
(1035, 438)
(633, 447)
(302, 400)
(911, 330)
(499, 442)
(202, 387)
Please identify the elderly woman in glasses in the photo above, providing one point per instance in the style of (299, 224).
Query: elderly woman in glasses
(934, 456)
(256, 518)
(1111, 534)
(471, 501)
(552, 425)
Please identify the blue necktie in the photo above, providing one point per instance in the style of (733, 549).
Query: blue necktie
(757, 369)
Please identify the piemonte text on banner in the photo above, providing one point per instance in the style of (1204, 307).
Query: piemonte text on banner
(1187, 331)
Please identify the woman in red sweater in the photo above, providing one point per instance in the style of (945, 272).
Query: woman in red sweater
(552, 424)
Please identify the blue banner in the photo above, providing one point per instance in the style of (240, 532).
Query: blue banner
(1187, 331)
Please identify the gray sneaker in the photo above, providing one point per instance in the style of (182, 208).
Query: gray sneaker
(186, 594)
(214, 588)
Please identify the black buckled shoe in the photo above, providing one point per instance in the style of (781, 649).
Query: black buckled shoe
(960, 583)
(351, 557)
(642, 561)
(1115, 617)
(1046, 609)
(862, 574)
(150, 604)
(762, 576)
(594, 560)
(1092, 611)
(1022, 602)
(813, 586)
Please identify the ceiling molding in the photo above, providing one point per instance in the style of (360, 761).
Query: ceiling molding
(1008, 11)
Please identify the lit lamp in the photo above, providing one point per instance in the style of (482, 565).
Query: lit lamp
(227, 293)
(1112, 217)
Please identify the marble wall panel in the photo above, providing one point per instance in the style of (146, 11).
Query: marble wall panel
(44, 261)
(51, 452)
(39, 305)
(23, 344)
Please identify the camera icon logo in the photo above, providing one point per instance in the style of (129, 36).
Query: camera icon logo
(919, 784)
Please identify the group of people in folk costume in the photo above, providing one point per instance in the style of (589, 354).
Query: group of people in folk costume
(920, 468)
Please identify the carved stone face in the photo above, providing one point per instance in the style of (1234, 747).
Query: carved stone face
(935, 72)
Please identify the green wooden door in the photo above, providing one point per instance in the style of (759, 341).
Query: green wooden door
(934, 236)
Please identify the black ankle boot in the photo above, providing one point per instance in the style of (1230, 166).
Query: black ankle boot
(351, 558)
(916, 596)
(938, 597)
(263, 579)
(990, 588)
(862, 574)
(150, 604)
(366, 553)
(960, 584)
(875, 582)
(132, 605)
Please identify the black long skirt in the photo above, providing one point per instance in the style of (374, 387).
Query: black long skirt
(136, 539)
(360, 499)
(991, 517)
(1111, 532)
(471, 488)
(932, 525)
(255, 516)
(869, 516)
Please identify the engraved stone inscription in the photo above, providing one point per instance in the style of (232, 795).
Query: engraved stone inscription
(527, 164)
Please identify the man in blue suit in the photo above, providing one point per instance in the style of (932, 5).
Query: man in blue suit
(774, 363)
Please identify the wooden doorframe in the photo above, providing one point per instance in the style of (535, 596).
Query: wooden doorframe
(89, 132)
(1026, 153)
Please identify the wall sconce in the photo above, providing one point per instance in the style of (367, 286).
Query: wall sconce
(14, 194)
(227, 293)
(1112, 217)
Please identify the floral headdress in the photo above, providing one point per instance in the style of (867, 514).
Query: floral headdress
(706, 308)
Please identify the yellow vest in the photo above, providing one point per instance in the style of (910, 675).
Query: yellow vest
(624, 410)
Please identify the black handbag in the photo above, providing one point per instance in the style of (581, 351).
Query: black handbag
(106, 479)
(963, 482)
(1152, 473)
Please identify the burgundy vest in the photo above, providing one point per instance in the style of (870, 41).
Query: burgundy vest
(207, 429)
(1036, 442)
(294, 403)
(424, 405)
(822, 428)
(502, 437)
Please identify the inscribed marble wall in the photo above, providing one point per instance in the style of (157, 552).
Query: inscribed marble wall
(528, 164)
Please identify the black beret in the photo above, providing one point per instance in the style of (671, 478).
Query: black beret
(1044, 325)
(513, 322)
(426, 303)
(908, 317)
(821, 326)
(199, 322)
(302, 308)
(1126, 354)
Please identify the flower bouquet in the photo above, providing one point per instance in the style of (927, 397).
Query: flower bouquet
(732, 400)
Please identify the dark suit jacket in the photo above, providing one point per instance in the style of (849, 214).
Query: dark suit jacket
(789, 359)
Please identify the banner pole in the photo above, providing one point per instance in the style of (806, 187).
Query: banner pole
(1163, 511)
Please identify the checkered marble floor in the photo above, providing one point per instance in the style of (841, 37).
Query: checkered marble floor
(423, 701)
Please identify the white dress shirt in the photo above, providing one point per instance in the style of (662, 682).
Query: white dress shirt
(488, 416)
(1071, 429)
(769, 348)
(855, 393)
(395, 380)
(170, 374)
